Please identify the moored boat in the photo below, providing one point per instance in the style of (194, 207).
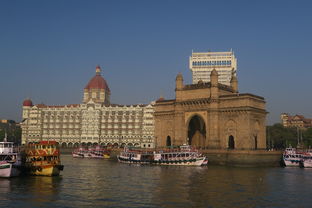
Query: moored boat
(184, 155)
(97, 152)
(306, 159)
(292, 157)
(10, 160)
(43, 158)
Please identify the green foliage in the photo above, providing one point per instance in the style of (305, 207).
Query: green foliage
(280, 137)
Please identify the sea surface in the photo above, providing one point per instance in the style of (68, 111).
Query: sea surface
(107, 183)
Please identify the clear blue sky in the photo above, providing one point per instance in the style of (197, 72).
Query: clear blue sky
(49, 49)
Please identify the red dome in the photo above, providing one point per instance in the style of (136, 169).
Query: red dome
(27, 102)
(97, 82)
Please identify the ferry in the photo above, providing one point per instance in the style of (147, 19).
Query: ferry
(97, 152)
(43, 158)
(184, 155)
(306, 159)
(292, 158)
(10, 160)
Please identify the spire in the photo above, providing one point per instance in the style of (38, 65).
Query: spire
(98, 70)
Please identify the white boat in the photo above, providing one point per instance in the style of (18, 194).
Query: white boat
(10, 160)
(185, 155)
(97, 152)
(292, 158)
(81, 152)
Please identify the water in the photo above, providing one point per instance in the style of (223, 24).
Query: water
(107, 183)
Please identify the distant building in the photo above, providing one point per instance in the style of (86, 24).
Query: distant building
(298, 121)
(202, 63)
(95, 121)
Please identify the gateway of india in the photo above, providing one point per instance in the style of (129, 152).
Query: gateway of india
(211, 114)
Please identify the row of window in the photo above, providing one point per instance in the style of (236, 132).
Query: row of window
(212, 63)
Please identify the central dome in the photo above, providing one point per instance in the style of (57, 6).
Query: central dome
(97, 82)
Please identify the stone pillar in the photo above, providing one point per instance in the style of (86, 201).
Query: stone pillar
(179, 86)
(213, 114)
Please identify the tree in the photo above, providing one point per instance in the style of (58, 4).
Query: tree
(280, 137)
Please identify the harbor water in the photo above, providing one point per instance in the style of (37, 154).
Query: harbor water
(107, 183)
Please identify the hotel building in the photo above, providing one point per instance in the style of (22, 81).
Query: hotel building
(297, 121)
(202, 63)
(94, 121)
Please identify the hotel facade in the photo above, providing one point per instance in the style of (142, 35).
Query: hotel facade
(93, 122)
(202, 63)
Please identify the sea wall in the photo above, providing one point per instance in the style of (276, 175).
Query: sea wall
(244, 158)
(239, 158)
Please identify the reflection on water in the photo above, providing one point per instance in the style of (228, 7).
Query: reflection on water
(106, 183)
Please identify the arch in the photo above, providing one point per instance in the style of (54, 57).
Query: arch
(136, 144)
(95, 144)
(83, 144)
(196, 131)
(64, 145)
(231, 142)
(76, 144)
(103, 144)
(168, 141)
(70, 145)
(123, 144)
(89, 144)
(109, 144)
(130, 144)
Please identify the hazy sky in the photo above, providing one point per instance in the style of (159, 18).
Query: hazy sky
(49, 49)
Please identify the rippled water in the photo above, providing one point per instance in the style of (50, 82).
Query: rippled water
(106, 183)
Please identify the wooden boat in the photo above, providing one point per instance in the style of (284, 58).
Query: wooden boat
(184, 155)
(43, 158)
(10, 160)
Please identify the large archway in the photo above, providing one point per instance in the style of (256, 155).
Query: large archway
(196, 132)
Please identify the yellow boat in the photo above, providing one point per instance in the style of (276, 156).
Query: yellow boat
(43, 158)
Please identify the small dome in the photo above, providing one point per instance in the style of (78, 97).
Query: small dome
(97, 82)
(27, 102)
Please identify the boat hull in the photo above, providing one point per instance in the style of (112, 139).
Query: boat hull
(307, 163)
(193, 162)
(292, 163)
(8, 170)
(49, 170)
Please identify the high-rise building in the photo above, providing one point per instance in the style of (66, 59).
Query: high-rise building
(202, 63)
(94, 121)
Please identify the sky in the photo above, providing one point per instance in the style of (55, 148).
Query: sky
(49, 49)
